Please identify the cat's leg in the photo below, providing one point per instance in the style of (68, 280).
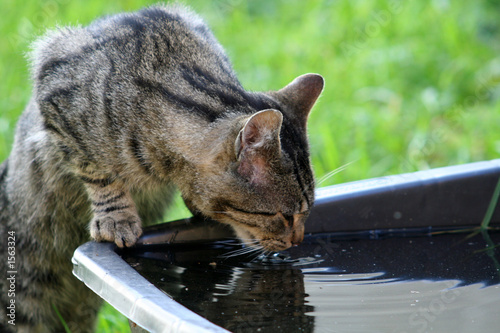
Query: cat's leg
(47, 308)
(115, 215)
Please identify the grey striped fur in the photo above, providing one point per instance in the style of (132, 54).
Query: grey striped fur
(123, 110)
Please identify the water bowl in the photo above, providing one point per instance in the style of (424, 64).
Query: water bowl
(402, 253)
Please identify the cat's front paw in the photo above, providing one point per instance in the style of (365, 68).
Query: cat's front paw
(123, 229)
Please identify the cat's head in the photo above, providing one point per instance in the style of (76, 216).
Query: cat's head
(259, 178)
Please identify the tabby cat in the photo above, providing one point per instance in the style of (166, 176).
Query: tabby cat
(123, 110)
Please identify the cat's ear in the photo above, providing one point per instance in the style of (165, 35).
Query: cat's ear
(301, 94)
(257, 143)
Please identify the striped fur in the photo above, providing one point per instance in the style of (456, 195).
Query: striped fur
(123, 110)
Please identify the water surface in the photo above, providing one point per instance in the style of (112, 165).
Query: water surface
(365, 282)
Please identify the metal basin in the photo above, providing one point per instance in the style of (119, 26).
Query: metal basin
(398, 253)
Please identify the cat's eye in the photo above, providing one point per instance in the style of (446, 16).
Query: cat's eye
(244, 211)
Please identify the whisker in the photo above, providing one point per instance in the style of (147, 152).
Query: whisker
(242, 251)
(237, 253)
(248, 241)
(334, 172)
(263, 252)
(328, 175)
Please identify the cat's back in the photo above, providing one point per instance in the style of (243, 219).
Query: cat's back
(148, 43)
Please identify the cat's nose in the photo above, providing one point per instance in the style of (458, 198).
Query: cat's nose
(297, 234)
(297, 239)
(294, 224)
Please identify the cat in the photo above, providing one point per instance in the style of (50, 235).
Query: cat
(122, 111)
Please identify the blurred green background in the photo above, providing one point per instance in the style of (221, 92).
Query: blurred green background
(410, 85)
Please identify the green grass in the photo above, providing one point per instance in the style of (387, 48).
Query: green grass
(410, 85)
(111, 321)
